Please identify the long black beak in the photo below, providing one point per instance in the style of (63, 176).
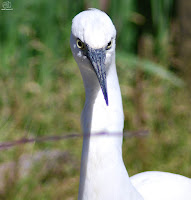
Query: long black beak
(97, 59)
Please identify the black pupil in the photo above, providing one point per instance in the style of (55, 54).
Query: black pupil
(109, 44)
(80, 44)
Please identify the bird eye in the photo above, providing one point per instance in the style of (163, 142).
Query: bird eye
(80, 44)
(109, 45)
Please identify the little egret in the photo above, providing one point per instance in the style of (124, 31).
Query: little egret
(103, 175)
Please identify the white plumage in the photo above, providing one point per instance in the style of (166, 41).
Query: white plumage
(103, 175)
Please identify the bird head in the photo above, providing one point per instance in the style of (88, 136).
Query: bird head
(92, 43)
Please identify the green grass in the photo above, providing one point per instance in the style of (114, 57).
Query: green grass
(54, 108)
(42, 94)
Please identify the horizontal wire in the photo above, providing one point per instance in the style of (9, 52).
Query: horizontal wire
(24, 140)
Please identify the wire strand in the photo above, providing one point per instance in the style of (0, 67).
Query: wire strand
(24, 140)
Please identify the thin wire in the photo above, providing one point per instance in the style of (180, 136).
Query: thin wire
(10, 144)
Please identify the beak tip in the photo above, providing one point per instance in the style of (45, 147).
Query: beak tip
(107, 103)
(104, 91)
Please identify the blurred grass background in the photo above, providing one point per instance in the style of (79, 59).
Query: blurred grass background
(41, 91)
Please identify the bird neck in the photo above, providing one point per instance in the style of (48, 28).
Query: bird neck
(97, 117)
(103, 174)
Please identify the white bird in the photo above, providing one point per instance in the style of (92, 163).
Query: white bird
(103, 175)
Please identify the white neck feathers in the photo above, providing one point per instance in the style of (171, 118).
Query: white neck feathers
(97, 117)
(103, 174)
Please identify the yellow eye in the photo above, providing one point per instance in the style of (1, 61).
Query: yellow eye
(80, 44)
(109, 45)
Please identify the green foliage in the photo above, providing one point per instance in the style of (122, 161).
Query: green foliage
(132, 61)
(161, 15)
(35, 34)
(122, 14)
(42, 91)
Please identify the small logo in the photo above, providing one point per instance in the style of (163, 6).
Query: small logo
(6, 5)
